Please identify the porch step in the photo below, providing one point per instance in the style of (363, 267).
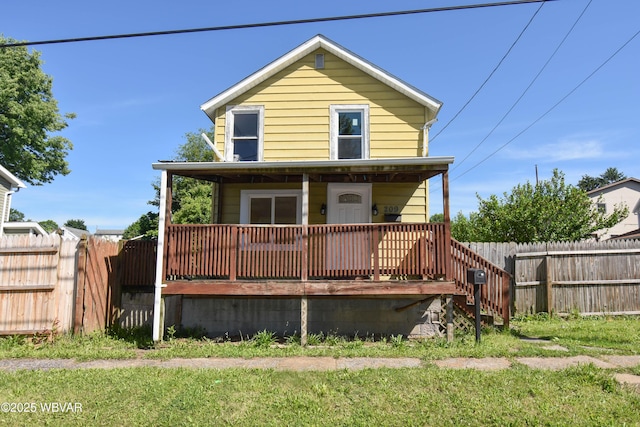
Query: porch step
(468, 309)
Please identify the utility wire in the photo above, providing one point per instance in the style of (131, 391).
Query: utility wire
(527, 88)
(273, 24)
(552, 108)
(490, 74)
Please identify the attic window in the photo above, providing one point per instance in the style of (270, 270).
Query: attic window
(319, 61)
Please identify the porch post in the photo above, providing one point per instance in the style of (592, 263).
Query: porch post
(162, 220)
(305, 257)
(447, 225)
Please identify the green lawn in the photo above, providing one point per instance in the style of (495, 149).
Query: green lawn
(400, 397)
(588, 336)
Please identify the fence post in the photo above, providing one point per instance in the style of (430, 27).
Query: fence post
(78, 312)
(549, 283)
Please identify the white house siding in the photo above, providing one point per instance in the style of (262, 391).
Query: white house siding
(626, 193)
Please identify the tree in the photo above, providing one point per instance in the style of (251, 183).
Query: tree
(76, 223)
(610, 176)
(461, 226)
(15, 215)
(49, 225)
(28, 115)
(191, 198)
(547, 212)
(146, 226)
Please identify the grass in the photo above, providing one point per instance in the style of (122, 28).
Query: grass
(517, 396)
(401, 397)
(581, 336)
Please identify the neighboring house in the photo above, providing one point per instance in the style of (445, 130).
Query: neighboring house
(72, 233)
(26, 227)
(321, 191)
(9, 184)
(631, 235)
(111, 235)
(621, 193)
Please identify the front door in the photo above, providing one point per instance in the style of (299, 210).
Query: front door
(348, 203)
(348, 250)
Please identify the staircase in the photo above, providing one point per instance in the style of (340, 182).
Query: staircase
(495, 297)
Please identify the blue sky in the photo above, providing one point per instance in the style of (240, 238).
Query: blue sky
(135, 99)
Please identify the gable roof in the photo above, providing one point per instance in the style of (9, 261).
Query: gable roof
(612, 185)
(319, 42)
(15, 182)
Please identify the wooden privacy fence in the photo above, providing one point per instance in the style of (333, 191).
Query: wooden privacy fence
(37, 276)
(98, 290)
(589, 277)
(52, 284)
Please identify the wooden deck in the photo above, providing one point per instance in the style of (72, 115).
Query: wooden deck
(273, 288)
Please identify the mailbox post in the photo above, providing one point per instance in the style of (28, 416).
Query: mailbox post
(476, 277)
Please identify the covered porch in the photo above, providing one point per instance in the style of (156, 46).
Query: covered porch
(365, 260)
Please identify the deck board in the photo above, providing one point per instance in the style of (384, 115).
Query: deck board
(311, 288)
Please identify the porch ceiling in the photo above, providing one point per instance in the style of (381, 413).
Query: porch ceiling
(373, 170)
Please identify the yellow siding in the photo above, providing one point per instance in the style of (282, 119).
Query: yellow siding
(296, 127)
(410, 199)
(297, 100)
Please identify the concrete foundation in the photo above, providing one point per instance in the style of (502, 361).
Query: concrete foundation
(362, 317)
(233, 317)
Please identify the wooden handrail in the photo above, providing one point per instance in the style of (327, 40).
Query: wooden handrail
(495, 297)
(305, 252)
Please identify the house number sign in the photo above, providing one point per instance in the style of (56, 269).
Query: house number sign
(391, 209)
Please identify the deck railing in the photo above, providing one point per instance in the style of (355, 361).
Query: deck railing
(494, 296)
(305, 251)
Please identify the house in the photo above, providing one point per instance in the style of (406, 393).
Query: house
(9, 184)
(320, 207)
(72, 233)
(26, 227)
(110, 235)
(621, 193)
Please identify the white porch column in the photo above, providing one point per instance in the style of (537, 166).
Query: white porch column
(157, 300)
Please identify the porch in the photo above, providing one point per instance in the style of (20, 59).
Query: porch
(372, 260)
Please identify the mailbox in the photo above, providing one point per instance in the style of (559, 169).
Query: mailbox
(476, 276)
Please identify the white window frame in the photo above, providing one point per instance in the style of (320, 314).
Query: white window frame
(334, 126)
(228, 131)
(247, 195)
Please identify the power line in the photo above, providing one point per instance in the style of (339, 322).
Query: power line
(528, 87)
(490, 74)
(273, 24)
(552, 107)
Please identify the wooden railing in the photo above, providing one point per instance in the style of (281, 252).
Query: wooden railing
(305, 251)
(495, 294)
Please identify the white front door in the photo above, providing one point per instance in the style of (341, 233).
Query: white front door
(348, 252)
(348, 203)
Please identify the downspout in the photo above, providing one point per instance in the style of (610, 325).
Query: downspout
(425, 132)
(6, 210)
(425, 143)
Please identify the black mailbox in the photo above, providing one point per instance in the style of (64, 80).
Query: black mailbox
(476, 276)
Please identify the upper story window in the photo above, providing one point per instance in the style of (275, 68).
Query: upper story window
(349, 132)
(244, 133)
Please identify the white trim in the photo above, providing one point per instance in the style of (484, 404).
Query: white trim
(15, 182)
(228, 129)
(384, 164)
(320, 42)
(246, 195)
(157, 298)
(334, 110)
